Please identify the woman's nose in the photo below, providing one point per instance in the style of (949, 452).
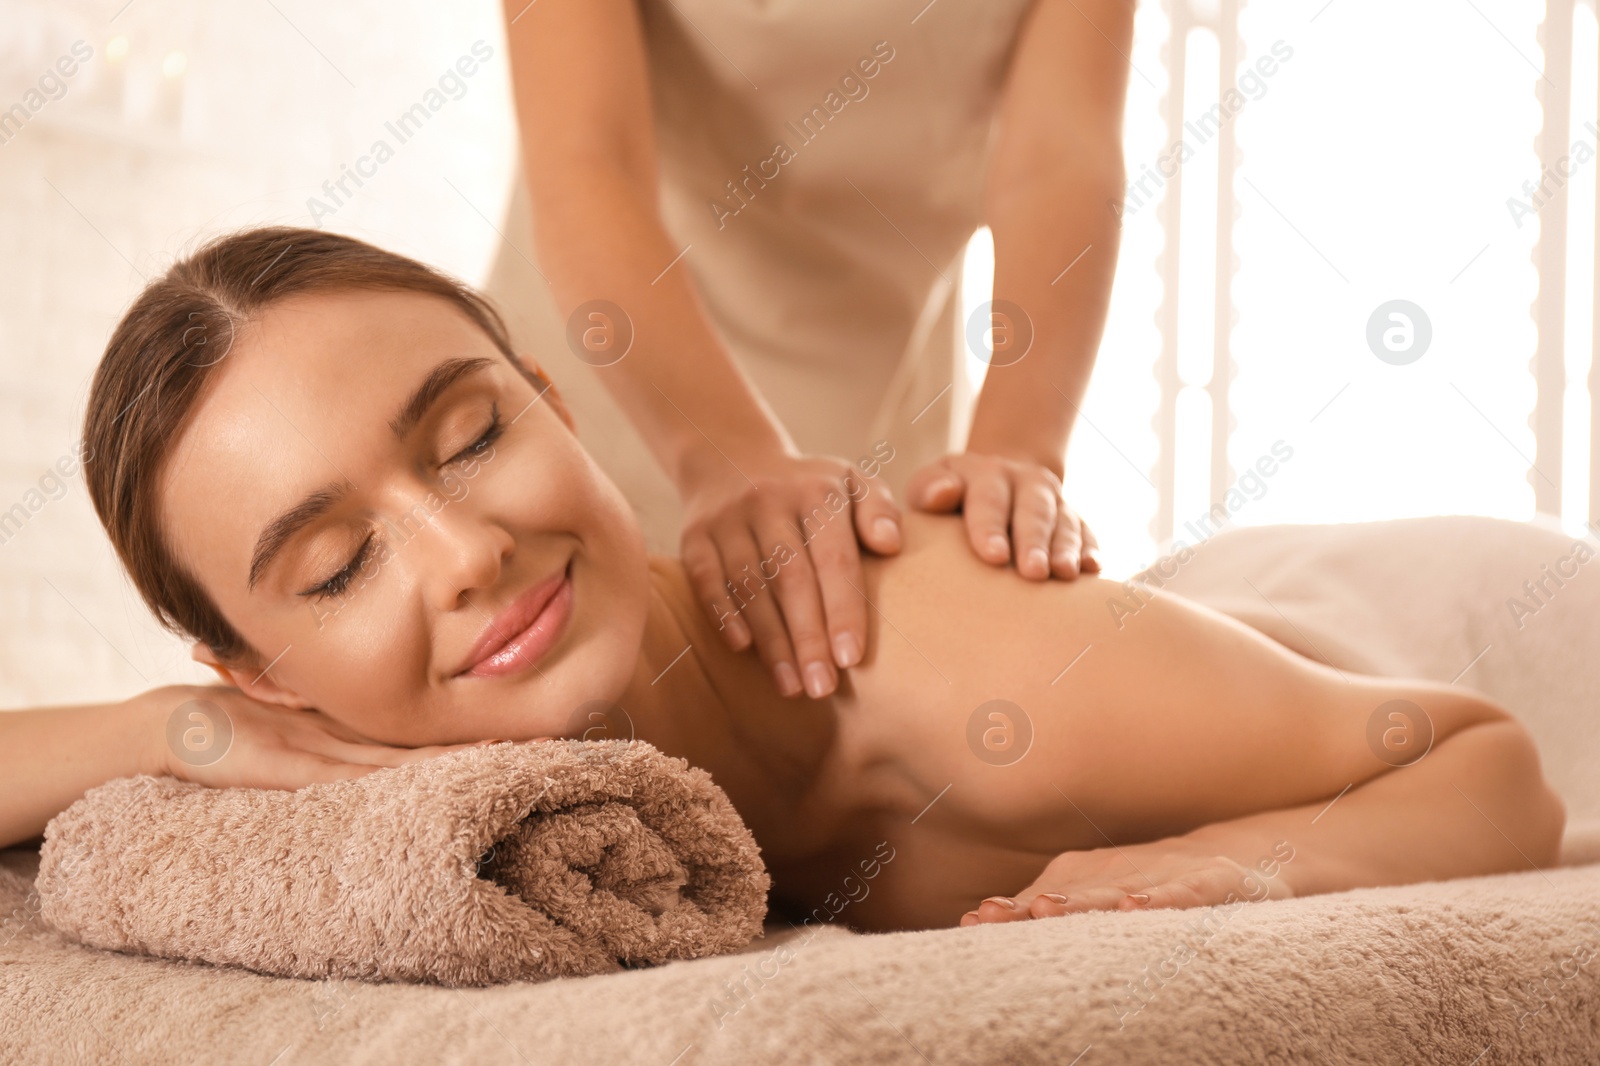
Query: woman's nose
(460, 550)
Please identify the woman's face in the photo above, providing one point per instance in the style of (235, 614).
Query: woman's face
(446, 520)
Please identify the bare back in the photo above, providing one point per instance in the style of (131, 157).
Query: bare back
(997, 722)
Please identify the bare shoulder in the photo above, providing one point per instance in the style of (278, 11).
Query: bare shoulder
(938, 594)
(953, 641)
(937, 597)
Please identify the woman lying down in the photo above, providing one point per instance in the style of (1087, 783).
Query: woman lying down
(325, 465)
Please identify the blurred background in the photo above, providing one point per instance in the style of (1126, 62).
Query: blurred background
(1347, 264)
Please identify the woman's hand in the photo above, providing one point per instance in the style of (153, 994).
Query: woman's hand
(1176, 872)
(771, 551)
(994, 491)
(217, 736)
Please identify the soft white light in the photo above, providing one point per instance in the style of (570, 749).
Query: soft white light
(1191, 495)
(1577, 419)
(977, 285)
(1197, 229)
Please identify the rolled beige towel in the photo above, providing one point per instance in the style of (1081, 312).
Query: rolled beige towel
(508, 862)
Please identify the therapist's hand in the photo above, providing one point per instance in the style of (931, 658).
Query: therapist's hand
(783, 530)
(1047, 537)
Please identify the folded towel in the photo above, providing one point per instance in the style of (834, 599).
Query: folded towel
(508, 862)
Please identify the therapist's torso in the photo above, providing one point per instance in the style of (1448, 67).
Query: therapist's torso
(824, 162)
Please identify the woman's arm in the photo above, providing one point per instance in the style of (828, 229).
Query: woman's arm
(51, 756)
(1476, 803)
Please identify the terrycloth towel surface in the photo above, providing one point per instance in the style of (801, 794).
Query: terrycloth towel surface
(1496, 971)
(508, 862)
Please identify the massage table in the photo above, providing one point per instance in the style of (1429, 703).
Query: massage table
(1485, 970)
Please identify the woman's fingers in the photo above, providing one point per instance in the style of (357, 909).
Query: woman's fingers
(1001, 909)
(294, 770)
(1191, 890)
(312, 732)
(369, 754)
(1099, 897)
(316, 742)
(1168, 873)
(315, 723)
(338, 730)
(279, 747)
(1049, 902)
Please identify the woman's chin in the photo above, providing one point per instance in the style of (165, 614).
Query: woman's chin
(574, 692)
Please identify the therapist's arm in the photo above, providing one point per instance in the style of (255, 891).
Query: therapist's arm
(580, 80)
(582, 96)
(1056, 166)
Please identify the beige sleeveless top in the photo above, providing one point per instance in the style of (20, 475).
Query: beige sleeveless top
(823, 163)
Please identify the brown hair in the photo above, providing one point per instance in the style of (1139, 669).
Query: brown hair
(164, 351)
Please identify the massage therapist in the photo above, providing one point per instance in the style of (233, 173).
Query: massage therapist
(749, 218)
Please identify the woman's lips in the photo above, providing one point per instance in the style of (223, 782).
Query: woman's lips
(528, 645)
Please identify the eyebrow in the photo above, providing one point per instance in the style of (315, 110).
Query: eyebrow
(433, 386)
(282, 529)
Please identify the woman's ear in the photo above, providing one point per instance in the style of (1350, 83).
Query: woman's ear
(202, 653)
(256, 684)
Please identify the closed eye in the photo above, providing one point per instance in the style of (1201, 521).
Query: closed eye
(490, 435)
(339, 582)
